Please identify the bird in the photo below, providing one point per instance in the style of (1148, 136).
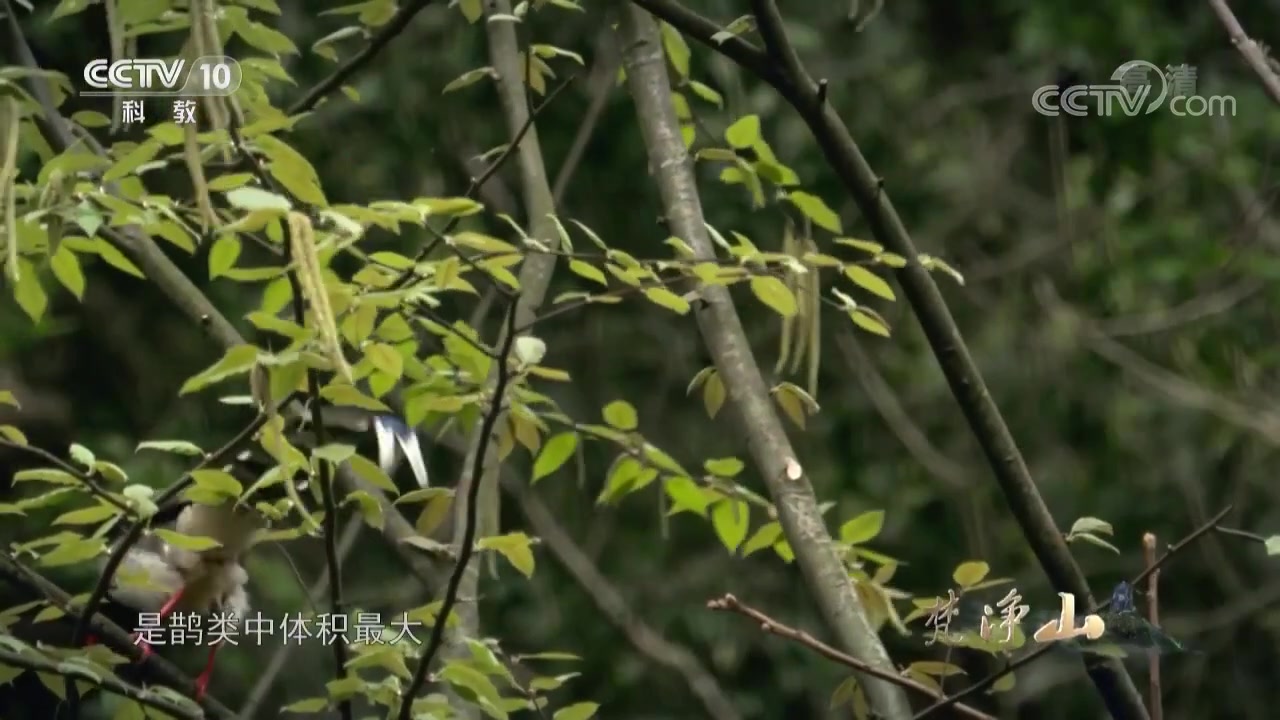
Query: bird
(157, 578)
(1125, 628)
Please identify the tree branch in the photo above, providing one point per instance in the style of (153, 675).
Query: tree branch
(963, 376)
(111, 634)
(1249, 48)
(1039, 652)
(385, 35)
(110, 684)
(613, 605)
(725, 339)
(466, 547)
(769, 625)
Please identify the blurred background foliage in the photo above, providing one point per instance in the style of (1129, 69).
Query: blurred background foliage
(1157, 230)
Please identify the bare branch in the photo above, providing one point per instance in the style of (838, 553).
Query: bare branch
(769, 625)
(1249, 48)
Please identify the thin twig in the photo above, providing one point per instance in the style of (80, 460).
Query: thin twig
(86, 479)
(467, 547)
(769, 625)
(1155, 702)
(474, 188)
(267, 678)
(614, 606)
(385, 34)
(1240, 534)
(1249, 48)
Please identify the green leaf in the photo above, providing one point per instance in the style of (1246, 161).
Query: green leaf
(968, 574)
(744, 132)
(369, 470)
(225, 183)
(223, 255)
(724, 467)
(49, 475)
(252, 198)
(469, 78)
(116, 259)
(555, 452)
(773, 292)
(180, 447)
(334, 452)
(186, 542)
(1273, 545)
(73, 551)
(621, 415)
(577, 711)
(344, 394)
(765, 536)
(28, 292)
(308, 706)
(731, 519)
(706, 93)
(588, 271)
(144, 153)
(1004, 684)
(82, 455)
(86, 516)
(677, 50)
(217, 481)
(237, 360)
(66, 268)
(515, 547)
(862, 528)
(385, 358)
(865, 320)
(816, 210)
(869, 281)
(1091, 525)
(667, 299)
(1095, 540)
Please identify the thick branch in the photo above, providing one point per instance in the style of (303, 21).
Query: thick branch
(967, 384)
(724, 337)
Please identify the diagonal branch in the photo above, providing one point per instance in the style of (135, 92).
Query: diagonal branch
(767, 624)
(385, 35)
(111, 634)
(85, 479)
(723, 335)
(966, 382)
(1251, 50)
(466, 547)
(41, 664)
(609, 599)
